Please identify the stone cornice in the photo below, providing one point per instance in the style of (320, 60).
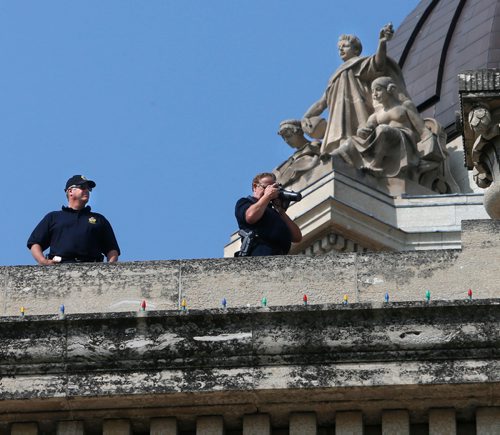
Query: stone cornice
(324, 346)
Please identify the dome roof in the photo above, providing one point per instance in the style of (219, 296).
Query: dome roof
(437, 41)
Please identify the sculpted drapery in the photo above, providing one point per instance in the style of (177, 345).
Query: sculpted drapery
(348, 97)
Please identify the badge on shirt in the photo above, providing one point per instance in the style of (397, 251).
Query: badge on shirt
(92, 220)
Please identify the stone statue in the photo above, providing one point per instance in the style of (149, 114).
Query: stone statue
(373, 125)
(347, 96)
(481, 122)
(388, 140)
(396, 141)
(305, 158)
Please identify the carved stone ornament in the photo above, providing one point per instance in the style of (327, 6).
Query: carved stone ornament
(372, 126)
(480, 101)
(305, 158)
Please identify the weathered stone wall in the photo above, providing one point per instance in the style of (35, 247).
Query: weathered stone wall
(107, 367)
(89, 288)
(321, 359)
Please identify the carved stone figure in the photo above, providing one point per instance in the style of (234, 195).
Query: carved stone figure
(305, 158)
(395, 141)
(388, 141)
(481, 122)
(373, 125)
(485, 154)
(348, 96)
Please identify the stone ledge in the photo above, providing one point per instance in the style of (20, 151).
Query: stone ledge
(283, 280)
(280, 348)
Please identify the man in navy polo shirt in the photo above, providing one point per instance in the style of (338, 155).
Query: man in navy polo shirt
(264, 214)
(74, 234)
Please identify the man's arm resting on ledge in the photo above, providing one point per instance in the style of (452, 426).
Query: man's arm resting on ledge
(36, 251)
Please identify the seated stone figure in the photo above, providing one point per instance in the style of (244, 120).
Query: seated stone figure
(387, 143)
(396, 141)
(305, 157)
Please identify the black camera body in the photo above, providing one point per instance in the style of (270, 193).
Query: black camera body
(289, 195)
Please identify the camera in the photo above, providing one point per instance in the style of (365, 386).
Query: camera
(289, 195)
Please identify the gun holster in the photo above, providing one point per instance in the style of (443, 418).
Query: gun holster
(247, 243)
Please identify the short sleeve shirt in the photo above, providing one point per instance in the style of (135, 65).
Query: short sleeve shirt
(270, 227)
(74, 233)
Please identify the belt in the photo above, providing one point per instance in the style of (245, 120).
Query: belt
(79, 259)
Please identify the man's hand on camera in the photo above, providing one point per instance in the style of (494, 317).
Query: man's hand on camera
(272, 191)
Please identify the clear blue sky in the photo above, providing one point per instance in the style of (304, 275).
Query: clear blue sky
(170, 106)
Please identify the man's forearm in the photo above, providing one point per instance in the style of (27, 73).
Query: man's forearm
(292, 226)
(255, 212)
(37, 253)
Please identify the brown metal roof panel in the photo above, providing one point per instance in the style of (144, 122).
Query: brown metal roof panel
(455, 35)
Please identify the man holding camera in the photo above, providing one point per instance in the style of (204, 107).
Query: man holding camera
(264, 225)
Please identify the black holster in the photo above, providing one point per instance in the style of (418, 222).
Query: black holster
(248, 239)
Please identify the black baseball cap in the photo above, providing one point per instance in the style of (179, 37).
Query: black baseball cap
(78, 180)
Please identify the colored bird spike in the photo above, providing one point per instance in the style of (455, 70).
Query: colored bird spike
(61, 309)
(183, 304)
(305, 299)
(143, 305)
(264, 301)
(224, 302)
(346, 299)
(469, 293)
(386, 297)
(428, 295)
(22, 311)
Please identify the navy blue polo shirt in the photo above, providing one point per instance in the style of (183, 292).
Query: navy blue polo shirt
(74, 233)
(271, 228)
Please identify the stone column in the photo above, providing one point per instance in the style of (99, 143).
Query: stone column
(24, 429)
(395, 423)
(442, 422)
(210, 425)
(116, 427)
(349, 423)
(303, 423)
(70, 428)
(163, 426)
(256, 424)
(488, 421)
